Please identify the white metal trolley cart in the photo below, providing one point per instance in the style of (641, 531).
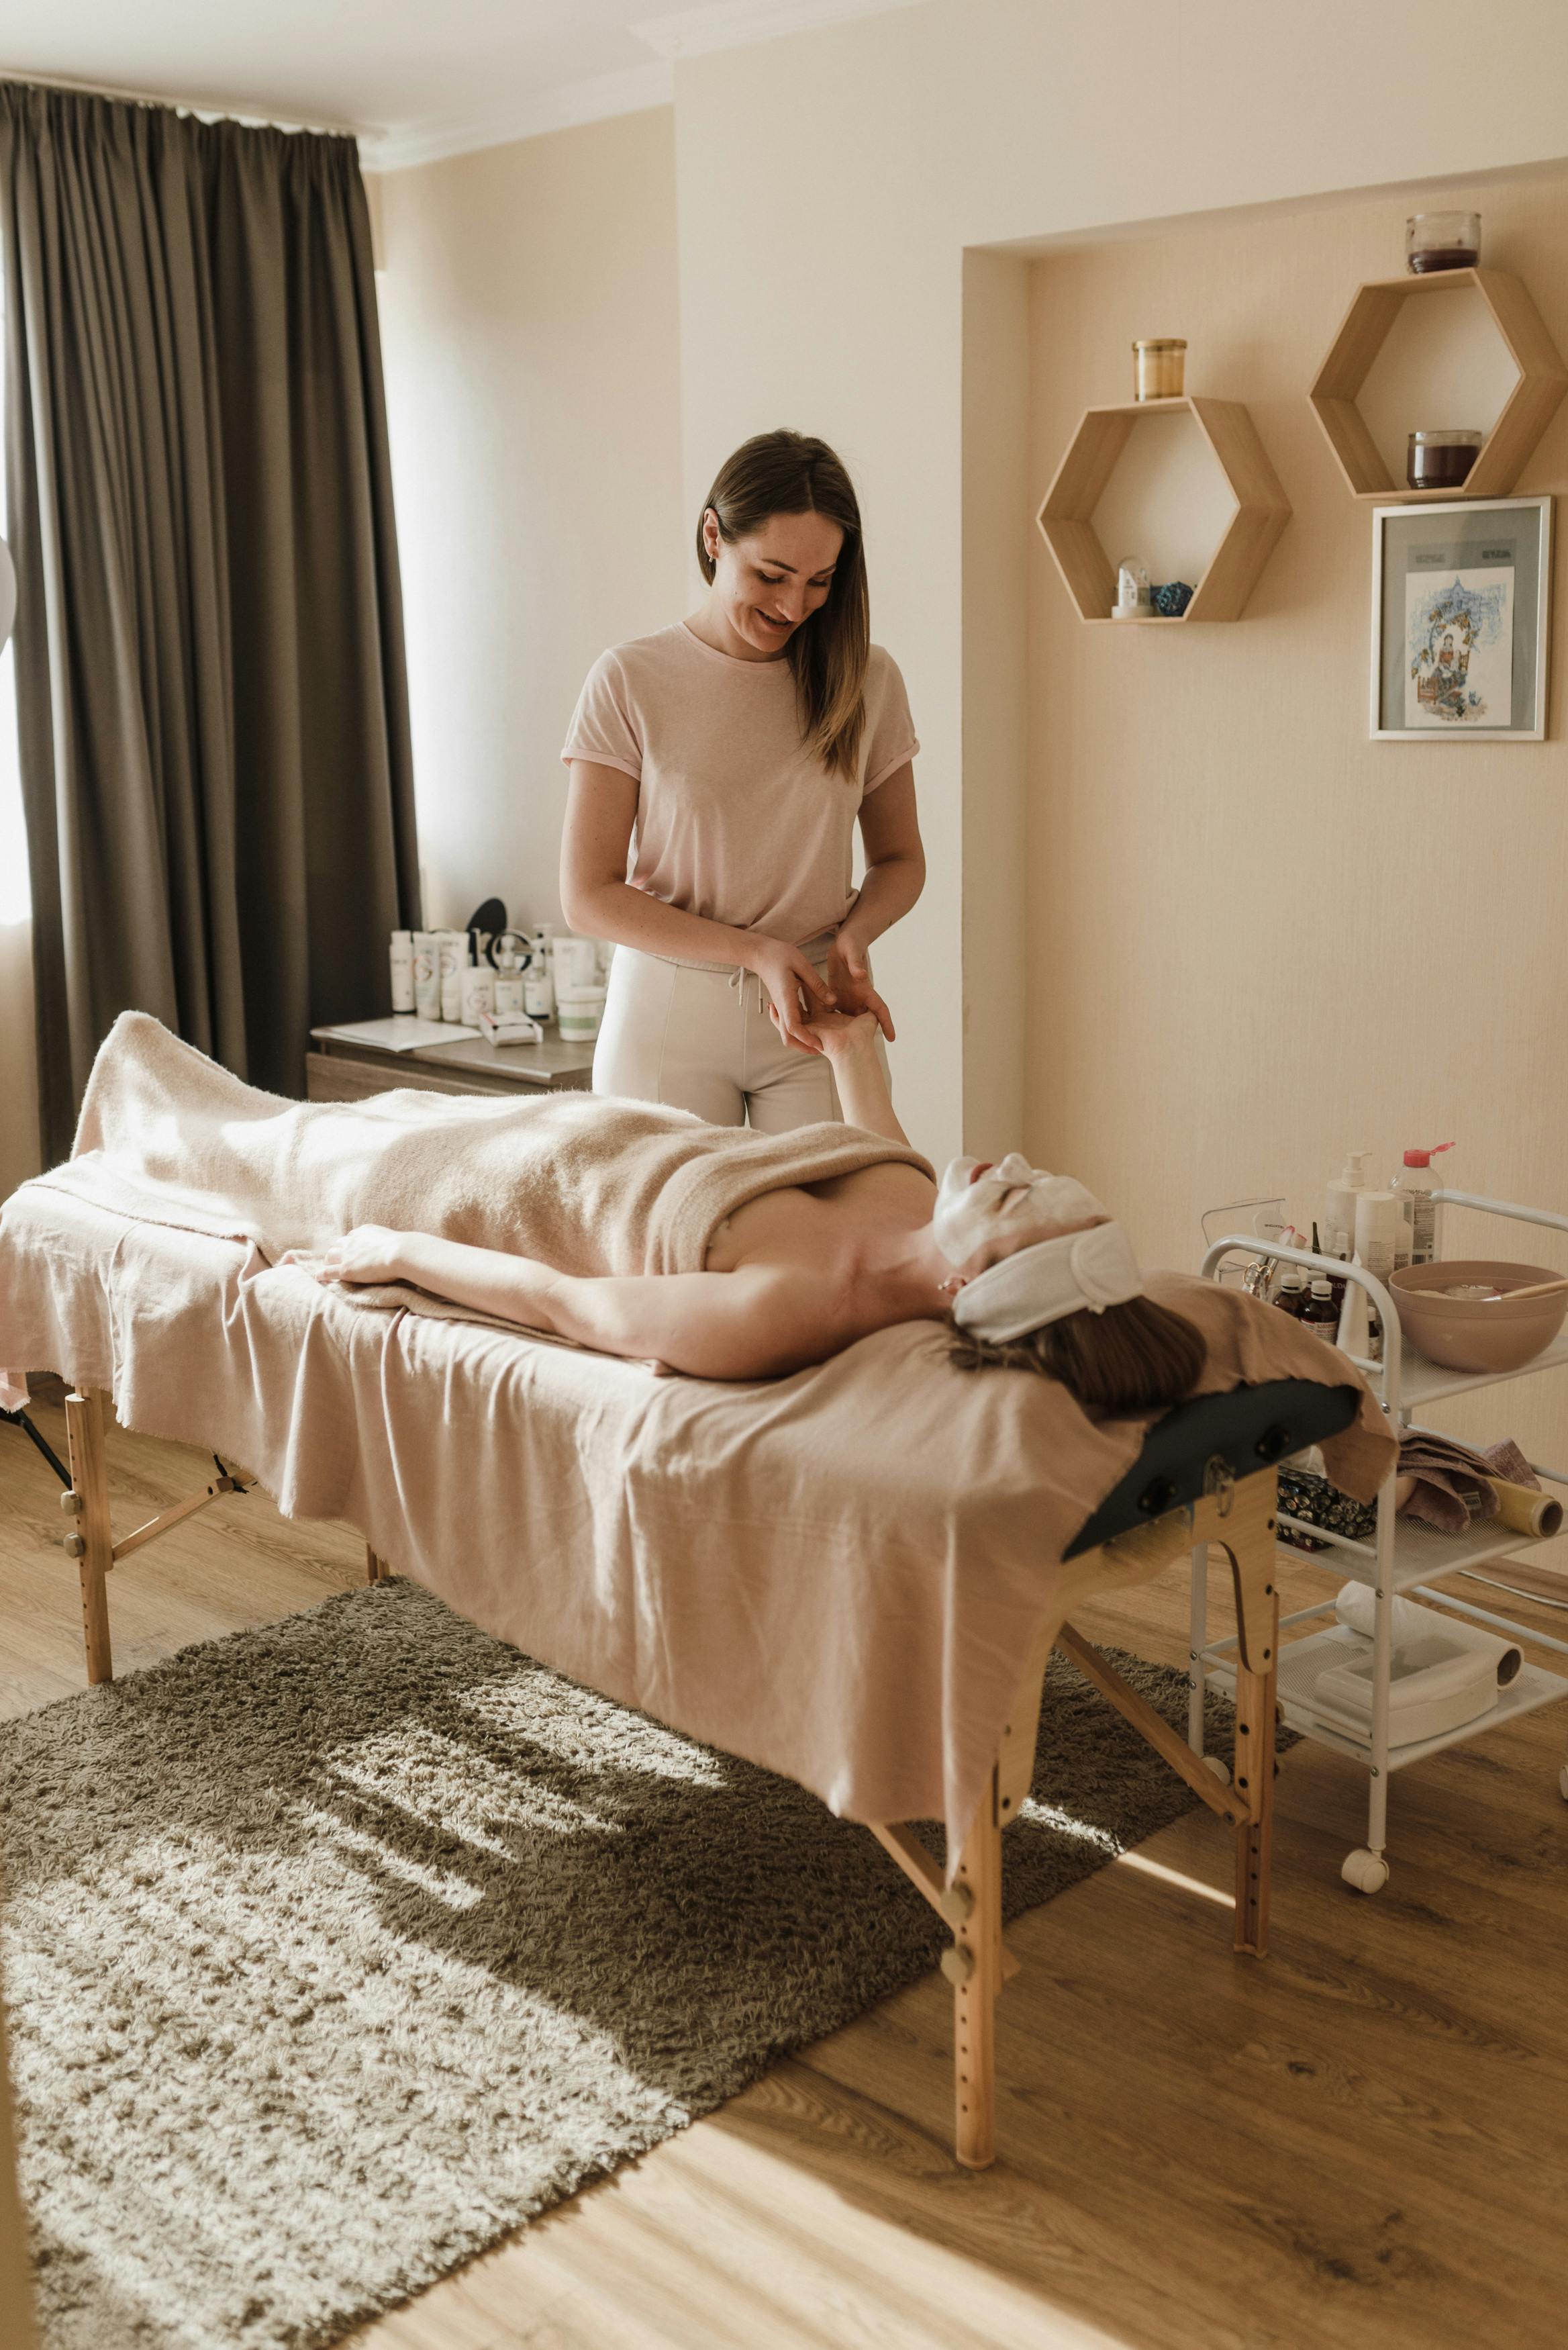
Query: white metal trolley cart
(1401, 1559)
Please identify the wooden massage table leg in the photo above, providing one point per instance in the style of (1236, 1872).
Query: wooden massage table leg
(973, 1967)
(1249, 1548)
(91, 1543)
(1241, 1522)
(977, 1965)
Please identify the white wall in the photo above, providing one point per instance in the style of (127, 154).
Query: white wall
(529, 319)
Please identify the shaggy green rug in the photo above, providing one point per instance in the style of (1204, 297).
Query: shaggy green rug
(334, 1951)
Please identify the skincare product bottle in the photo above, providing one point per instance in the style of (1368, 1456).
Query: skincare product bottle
(427, 974)
(538, 991)
(1317, 1311)
(1339, 1218)
(1416, 1183)
(478, 993)
(403, 971)
(453, 963)
(1379, 1217)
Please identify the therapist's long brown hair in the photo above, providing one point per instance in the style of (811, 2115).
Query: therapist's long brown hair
(789, 473)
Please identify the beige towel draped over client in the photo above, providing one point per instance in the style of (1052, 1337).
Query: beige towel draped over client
(636, 1230)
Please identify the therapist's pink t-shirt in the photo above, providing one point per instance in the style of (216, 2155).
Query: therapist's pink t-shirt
(736, 818)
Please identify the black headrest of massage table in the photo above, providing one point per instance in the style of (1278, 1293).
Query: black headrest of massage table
(1247, 1430)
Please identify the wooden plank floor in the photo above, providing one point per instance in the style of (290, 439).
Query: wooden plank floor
(1362, 2141)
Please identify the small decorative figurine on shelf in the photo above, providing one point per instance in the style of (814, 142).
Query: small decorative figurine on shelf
(1132, 592)
(1171, 599)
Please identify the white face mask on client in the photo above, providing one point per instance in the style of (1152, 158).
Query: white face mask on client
(1022, 1292)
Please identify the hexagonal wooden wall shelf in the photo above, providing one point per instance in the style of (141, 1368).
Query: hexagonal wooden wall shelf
(1231, 572)
(1521, 421)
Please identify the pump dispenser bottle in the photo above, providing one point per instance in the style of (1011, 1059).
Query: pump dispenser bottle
(1339, 1237)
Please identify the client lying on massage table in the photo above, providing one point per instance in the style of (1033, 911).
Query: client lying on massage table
(854, 1575)
(801, 1272)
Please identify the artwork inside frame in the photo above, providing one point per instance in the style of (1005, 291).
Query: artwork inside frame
(1461, 595)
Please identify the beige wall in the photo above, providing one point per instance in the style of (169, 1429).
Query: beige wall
(1259, 937)
(529, 316)
(829, 185)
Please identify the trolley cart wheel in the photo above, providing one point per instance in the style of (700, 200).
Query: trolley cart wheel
(1222, 1769)
(1366, 1871)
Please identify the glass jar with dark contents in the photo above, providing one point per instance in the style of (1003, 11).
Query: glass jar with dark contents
(1441, 461)
(1436, 241)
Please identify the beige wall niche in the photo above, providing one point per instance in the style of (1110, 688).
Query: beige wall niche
(1256, 938)
(529, 317)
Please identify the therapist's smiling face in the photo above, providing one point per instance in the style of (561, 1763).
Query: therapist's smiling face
(769, 582)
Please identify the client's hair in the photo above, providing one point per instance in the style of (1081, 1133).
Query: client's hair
(1133, 1358)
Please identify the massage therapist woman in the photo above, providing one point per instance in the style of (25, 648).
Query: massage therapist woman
(741, 747)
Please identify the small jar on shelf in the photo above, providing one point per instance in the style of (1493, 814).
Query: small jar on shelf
(1436, 241)
(1159, 366)
(1441, 461)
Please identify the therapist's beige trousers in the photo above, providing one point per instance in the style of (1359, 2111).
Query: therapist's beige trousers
(701, 1039)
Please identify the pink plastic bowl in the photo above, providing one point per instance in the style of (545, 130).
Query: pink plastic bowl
(1477, 1334)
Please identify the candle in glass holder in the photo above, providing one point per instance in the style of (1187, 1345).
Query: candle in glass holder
(1442, 241)
(1441, 460)
(1157, 368)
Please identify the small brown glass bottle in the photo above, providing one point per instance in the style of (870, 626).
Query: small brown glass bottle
(1293, 1297)
(1320, 1315)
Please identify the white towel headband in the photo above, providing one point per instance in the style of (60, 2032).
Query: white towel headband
(1076, 1272)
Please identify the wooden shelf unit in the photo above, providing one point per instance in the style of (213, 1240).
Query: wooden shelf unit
(1525, 415)
(1065, 518)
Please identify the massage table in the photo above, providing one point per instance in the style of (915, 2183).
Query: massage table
(846, 1575)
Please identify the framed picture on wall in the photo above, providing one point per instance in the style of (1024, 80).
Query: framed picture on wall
(1461, 595)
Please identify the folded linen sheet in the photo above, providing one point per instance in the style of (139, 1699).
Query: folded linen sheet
(591, 1186)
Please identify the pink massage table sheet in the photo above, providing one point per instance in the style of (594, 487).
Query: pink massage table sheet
(838, 1575)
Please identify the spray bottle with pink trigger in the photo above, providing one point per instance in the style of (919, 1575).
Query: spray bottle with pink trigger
(1415, 1185)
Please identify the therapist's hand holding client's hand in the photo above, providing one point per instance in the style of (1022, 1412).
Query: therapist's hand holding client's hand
(849, 976)
(796, 989)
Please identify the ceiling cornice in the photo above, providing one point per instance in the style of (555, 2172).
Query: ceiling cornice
(736, 24)
(594, 99)
(688, 33)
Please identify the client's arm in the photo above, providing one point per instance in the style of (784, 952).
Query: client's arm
(753, 1323)
(849, 1043)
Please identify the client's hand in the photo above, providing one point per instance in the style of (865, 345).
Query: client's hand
(369, 1252)
(841, 1035)
(849, 976)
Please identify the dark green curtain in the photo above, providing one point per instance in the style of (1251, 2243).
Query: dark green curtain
(211, 690)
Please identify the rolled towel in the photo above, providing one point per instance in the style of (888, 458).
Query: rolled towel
(1526, 1513)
